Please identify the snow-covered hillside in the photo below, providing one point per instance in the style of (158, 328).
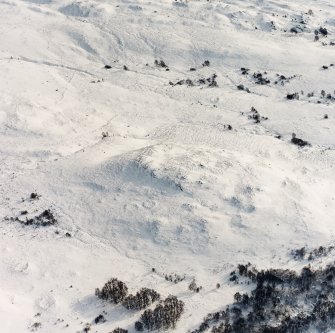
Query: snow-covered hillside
(158, 134)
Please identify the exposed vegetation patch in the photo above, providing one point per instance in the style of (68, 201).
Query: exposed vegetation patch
(319, 98)
(99, 319)
(282, 79)
(260, 78)
(35, 326)
(311, 254)
(164, 316)
(265, 78)
(299, 142)
(282, 301)
(255, 116)
(194, 287)
(175, 278)
(209, 82)
(34, 196)
(141, 300)
(293, 96)
(113, 291)
(161, 64)
(119, 330)
(45, 219)
(116, 291)
(243, 88)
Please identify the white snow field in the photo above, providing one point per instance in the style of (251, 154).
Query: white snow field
(171, 186)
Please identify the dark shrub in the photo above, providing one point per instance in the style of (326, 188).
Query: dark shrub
(299, 142)
(141, 300)
(100, 319)
(113, 291)
(292, 96)
(120, 330)
(139, 326)
(164, 316)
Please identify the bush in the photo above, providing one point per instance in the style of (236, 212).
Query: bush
(119, 330)
(194, 287)
(164, 316)
(113, 291)
(175, 278)
(100, 319)
(141, 300)
(292, 96)
(161, 63)
(139, 326)
(299, 142)
(45, 219)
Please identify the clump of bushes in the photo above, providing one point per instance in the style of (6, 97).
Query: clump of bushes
(35, 326)
(139, 326)
(282, 79)
(209, 81)
(245, 71)
(320, 98)
(100, 319)
(116, 291)
(254, 114)
(143, 298)
(323, 31)
(113, 291)
(282, 301)
(34, 196)
(45, 219)
(164, 316)
(299, 142)
(293, 96)
(175, 278)
(303, 253)
(194, 287)
(120, 330)
(161, 63)
(260, 79)
(242, 87)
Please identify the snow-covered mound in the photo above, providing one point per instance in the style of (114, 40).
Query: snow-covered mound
(158, 136)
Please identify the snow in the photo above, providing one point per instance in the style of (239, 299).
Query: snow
(170, 187)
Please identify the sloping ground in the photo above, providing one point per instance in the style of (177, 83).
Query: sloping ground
(146, 167)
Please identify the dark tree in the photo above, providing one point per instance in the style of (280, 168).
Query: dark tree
(113, 291)
(141, 300)
(120, 330)
(164, 316)
(139, 326)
